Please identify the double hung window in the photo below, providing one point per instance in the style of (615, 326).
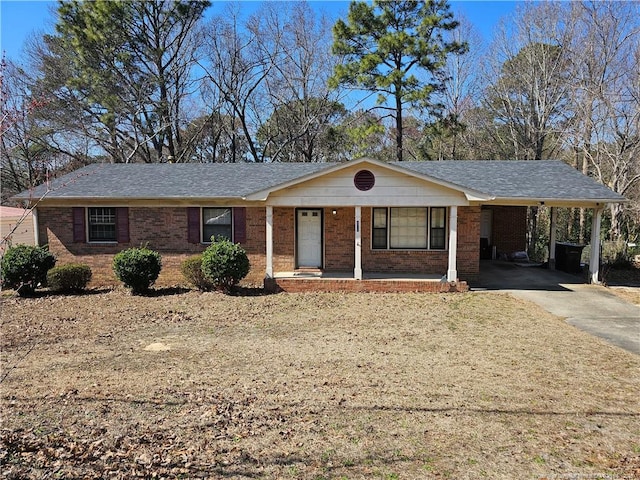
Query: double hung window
(102, 224)
(409, 228)
(216, 222)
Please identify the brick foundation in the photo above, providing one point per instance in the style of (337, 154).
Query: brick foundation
(300, 285)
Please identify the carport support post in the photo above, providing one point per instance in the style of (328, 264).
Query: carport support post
(269, 272)
(357, 271)
(594, 261)
(452, 273)
(552, 239)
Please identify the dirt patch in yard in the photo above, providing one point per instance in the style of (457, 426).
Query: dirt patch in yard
(310, 386)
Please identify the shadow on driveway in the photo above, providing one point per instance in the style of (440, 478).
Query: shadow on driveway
(498, 275)
(591, 308)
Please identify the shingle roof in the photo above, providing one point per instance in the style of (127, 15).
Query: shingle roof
(544, 179)
(181, 180)
(499, 179)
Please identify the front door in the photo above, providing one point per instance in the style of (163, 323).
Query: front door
(309, 238)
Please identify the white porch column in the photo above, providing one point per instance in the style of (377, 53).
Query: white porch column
(452, 273)
(594, 261)
(357, 271)
(269, 271)
(36, 234)
(552, 239)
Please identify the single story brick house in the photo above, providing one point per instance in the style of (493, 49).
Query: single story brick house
(361, 225)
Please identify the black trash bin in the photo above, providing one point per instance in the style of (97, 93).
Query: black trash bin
(568, 257)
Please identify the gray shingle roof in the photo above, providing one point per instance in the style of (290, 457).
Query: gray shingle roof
(500, 179)
(181, 180)
(544, 179)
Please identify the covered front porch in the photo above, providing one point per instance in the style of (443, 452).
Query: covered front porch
(340, 244)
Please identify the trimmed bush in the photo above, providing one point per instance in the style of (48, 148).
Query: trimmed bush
(137, 268)
(24, 268)
(191, 268)
(225, 263)
(73, 277)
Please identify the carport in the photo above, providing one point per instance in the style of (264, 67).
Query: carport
(524, 184)
(550, 184)
(503, 231)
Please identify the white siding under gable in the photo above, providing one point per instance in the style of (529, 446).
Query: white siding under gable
(391, 189)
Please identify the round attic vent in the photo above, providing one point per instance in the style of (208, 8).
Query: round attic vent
(364, 180)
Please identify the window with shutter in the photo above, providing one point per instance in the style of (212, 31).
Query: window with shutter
(102, 224)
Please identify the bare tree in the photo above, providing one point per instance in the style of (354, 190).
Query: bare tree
(236, 67)
(25, 161)
(269, 73)
(528, 81)
(605, 131)
(304, 108)
(528, 85)
(460, 95)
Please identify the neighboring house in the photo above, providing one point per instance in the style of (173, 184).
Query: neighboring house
(16, 227)
(348, 222)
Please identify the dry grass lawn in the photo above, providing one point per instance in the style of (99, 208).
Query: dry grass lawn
(630, 294)
(310, 386)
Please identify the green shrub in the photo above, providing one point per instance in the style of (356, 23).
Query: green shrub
(225, 263)
(137, 268)
(24, 268)
(191, 268)
(73, 277)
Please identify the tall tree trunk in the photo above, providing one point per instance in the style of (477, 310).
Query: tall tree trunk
(398, 125)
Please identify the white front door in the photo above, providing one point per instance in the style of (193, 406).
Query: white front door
(309, 238)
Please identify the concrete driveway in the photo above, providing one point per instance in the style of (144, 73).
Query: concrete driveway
(591, 308)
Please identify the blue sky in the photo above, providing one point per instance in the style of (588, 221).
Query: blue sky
(21, 18)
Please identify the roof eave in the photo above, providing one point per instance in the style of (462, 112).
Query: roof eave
(167, 200)
(555, 202)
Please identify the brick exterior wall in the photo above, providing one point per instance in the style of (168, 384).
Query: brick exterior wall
(468, 254)
(284, 222)
(509, 229)
(162, 229)
(165, 229)
(339, 240)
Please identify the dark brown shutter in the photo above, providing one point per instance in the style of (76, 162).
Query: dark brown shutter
(79, 233)
(239, 224)
(193, 224)
(122, 225)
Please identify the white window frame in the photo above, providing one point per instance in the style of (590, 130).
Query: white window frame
(428, 228)
(88, 224)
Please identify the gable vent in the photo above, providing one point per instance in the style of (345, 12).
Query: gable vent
(364, 180)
